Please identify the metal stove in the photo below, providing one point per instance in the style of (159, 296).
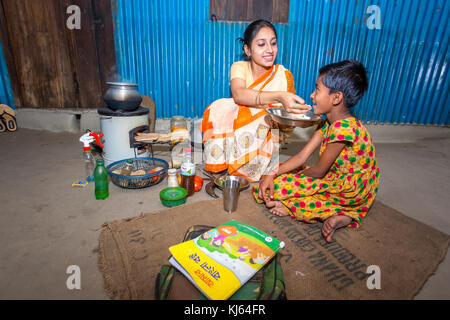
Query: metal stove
(120, 128)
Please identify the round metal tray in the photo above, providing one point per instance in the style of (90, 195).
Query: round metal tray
(290, 119)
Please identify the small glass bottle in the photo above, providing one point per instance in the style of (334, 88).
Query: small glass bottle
(172, 179)
(101, 181)
(126, 171)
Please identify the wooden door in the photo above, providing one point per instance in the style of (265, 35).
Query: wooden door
(51, 66)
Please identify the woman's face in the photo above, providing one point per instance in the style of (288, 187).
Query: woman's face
(263, 49)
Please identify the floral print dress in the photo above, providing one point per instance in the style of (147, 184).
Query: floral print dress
(348, 188)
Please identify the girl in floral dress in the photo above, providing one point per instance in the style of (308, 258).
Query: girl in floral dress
(340, 188)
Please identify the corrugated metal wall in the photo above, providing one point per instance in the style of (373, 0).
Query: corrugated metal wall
(182, 60)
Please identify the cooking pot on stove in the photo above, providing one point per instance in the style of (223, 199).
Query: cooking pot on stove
(123, 96)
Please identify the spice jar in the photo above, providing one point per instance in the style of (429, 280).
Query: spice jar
(172, 179)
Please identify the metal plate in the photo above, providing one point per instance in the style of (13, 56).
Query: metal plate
(297, 120)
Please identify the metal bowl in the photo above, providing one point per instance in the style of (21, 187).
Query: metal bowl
(243, 181)
(292, 119)
(123, 96)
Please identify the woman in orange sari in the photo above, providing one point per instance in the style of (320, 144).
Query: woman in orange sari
(236, 135)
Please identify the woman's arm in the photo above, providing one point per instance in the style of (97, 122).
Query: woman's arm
(328, 157)
(260, 99)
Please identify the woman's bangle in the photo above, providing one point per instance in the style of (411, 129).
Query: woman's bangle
(258, 98)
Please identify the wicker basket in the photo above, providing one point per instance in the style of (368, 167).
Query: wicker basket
(139, 181)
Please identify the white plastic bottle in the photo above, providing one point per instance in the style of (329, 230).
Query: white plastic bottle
(89, 165)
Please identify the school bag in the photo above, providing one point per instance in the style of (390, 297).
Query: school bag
(266, 284)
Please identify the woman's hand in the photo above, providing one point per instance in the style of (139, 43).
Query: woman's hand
(293, 103)
(266, 185)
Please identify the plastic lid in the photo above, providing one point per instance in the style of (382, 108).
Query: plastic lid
(100, 161)
(130, 161)
(188, 150)
(173, 194)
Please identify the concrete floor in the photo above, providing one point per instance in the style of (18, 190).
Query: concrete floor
(46, 225)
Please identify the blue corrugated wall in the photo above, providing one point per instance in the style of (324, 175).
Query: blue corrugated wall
(6, 95)
(182, 59)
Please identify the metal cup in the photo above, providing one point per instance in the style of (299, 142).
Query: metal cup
(231, 189)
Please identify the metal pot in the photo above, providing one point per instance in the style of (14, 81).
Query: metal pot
(123, 96)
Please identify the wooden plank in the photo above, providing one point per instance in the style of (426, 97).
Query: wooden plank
(22, 49)
(68, 77)
(60, 57)
(56, 67)
(280, 12)
(218, 8)
(276, 11)
(104, 35)
(85, 58)
(259, 9)
(34, 48)
(237, 10)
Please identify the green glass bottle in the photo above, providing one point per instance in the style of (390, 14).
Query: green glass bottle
(101, 181)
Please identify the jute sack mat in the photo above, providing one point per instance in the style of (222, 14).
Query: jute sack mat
(389, 257)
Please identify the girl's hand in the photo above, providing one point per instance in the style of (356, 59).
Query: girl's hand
(293, 103)
(266, 185)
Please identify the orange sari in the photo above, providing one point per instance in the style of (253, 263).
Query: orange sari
(237, 138)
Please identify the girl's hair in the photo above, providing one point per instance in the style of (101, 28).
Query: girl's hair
(348, 77)
(251, 32)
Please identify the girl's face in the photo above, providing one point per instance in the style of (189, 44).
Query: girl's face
(263, 49)
(321, 98)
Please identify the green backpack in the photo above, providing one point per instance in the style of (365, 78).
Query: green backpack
(266, 284)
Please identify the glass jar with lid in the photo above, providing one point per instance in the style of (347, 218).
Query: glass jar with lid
(178, 123)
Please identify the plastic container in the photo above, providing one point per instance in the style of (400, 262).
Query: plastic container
(101, 181)
(171, 197)
(188, 172)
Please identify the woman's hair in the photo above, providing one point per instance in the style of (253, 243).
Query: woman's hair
(251, 32)
(348, 77)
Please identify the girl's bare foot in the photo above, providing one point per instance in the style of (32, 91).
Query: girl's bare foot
(277, 208)
(332, 224)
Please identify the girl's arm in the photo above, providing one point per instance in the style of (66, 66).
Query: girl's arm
(260, 99)
(301, 157)
(328, 157)
(295, 161)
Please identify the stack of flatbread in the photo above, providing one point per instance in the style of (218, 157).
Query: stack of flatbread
(162, 137)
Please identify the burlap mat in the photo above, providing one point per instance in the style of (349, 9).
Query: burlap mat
(131, 251)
